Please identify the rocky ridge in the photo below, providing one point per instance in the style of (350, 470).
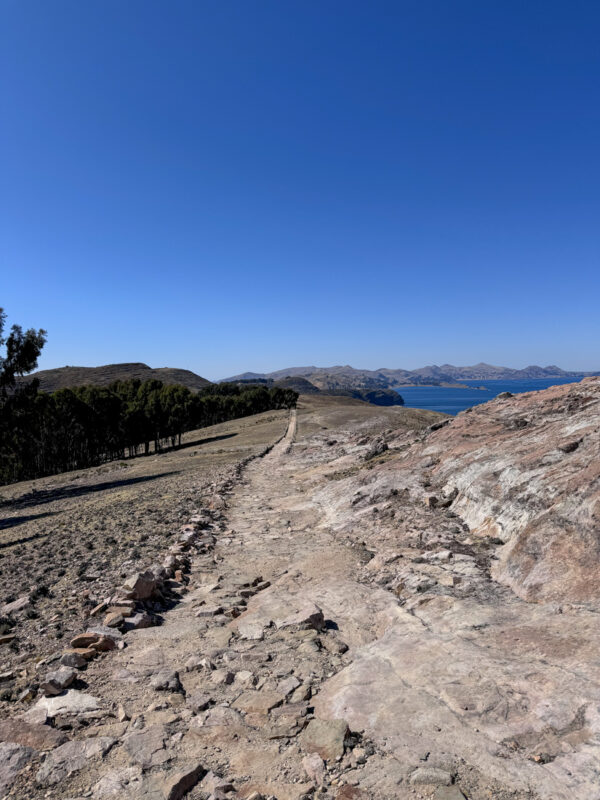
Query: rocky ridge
(346, 377)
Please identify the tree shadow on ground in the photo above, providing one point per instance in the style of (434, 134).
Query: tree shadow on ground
(12, 522)
(174, 448)
(36, 498)
(198, 442)
(22, 540)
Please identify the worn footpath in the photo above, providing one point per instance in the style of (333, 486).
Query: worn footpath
(330, 626)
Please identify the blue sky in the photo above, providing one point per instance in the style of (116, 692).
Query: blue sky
(255, 184)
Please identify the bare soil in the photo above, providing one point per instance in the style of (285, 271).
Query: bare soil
(68, 540)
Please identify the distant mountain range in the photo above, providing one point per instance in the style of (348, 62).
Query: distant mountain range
(66, 377)
(347, 377)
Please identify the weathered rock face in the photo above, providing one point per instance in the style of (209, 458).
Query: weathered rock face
(71, 757)
(325, 738)
(526, 470)
(467, 671)
(39, 737)
(13, 758)
(73, 702)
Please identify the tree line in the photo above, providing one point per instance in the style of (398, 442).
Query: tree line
(44, 433)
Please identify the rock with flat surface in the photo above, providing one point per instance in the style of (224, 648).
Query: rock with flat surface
(118, 784)
(73, 659)
(261, 702)
(71, 757)
(314, 767)
(198, 701)
(448, 793)
(103, 632)
(212, 782)
(149, 660)
(218, 716)
(15, 606)
(306, 615)
(73, 702)
(84, 640)
(288, 685)
(430, 776)
(137, 622)
(167, 680)
(222, 677)
(175, 784)
(325, 737)
(13, 759)
(147, 747)
(39, 737)
(114, 619)
(250, 629)
(281, 607)
(513, 480)
(104, 644)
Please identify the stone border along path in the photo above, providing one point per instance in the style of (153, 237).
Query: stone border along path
(221, 701)
(137, 605)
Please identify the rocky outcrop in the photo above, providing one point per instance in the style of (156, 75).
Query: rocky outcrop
(464, 524)
(526, 470)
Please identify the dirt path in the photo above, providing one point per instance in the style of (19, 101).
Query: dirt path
(67, 540)
(283, 669)
(224, 685)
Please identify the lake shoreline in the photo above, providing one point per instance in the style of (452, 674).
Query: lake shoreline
(454, 399)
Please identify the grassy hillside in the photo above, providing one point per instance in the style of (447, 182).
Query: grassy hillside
(67, 377)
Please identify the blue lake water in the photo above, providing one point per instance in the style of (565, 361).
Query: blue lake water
(451, 401)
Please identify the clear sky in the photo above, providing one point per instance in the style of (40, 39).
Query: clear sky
(252, 184)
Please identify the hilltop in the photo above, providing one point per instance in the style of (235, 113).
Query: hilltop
(67, 377)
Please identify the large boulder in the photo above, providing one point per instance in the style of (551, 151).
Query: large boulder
(56, 682)
(141, 585)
